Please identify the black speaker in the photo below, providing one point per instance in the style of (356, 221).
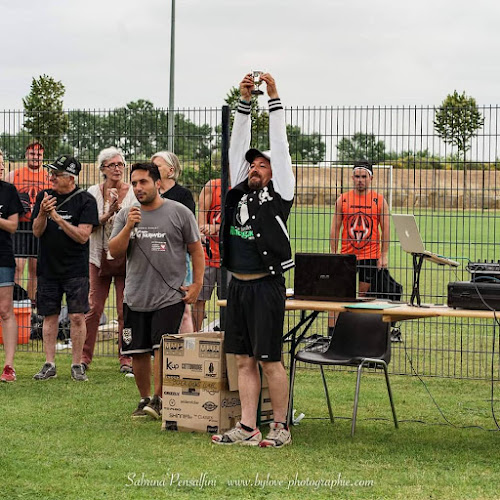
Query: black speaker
(464, 295)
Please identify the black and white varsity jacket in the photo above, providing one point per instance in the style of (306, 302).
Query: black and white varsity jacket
(268, 207)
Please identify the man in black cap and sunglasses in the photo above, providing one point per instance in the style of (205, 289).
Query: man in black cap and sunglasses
(63, 218)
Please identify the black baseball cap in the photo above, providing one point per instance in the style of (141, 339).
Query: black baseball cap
(253, 153)
(66, 164)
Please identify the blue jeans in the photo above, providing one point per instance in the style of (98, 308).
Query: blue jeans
(7, 276)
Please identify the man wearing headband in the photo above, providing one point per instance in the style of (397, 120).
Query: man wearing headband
(363, 215)
(255, 247)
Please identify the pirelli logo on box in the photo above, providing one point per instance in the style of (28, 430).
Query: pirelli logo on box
(209, 349)
(173, 347)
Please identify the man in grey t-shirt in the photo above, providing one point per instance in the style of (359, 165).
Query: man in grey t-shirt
(155, 236)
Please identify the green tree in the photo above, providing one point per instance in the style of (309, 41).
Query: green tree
(360, 147)
(45, 119)
(140, 130)
(86, 134)
(458, 119)
(14, 145)
(305, 147)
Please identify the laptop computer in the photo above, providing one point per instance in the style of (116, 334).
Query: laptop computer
(325, 276)
(411, 242)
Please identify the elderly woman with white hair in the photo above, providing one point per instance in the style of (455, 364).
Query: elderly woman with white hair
(170, 168)
(111, 195)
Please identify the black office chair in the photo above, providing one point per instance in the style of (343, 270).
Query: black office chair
(359, 339)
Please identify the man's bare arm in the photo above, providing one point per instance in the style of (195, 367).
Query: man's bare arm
(198, 259)
(118, 244)
(80, 233)
(203, 208)
(10, 224)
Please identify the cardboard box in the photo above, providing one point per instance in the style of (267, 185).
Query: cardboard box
(22, 312)
(195, 394)
(198, 410)
(266, 408)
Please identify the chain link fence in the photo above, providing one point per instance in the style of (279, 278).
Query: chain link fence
(455, 196)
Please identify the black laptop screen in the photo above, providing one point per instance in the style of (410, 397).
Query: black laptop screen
(325, 276)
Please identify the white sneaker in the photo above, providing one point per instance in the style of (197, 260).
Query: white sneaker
(67, 344)
(278, 436)
(238, 435)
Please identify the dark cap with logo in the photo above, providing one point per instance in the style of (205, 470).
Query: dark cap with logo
(253, 153)
(66, 164)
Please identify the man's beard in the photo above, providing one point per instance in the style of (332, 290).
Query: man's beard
(255, 182)
(148, 199)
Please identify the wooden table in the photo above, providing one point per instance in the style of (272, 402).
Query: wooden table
(310, 310)
(393, 312)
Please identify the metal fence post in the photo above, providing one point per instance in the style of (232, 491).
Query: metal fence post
(225, 186)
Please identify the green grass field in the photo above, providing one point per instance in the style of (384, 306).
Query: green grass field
(67, 440)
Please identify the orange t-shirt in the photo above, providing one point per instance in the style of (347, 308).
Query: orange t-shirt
(361, 215)
(29, 183)
(213, 216)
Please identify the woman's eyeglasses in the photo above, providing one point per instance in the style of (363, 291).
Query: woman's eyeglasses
(119, 165)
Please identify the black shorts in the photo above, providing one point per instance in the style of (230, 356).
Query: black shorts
(255, 316)
(143, 330)
(49, 294)
(367, 270)
(25, 244)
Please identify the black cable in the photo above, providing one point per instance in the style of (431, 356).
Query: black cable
(159, 272)
(487, 279)
(406, 421)
(492, 351)
(488, 307)
(448, 423)
(438, 407)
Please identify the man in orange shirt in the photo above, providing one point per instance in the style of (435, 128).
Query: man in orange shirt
(29, 181)
(209, 220)
(363, 215)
